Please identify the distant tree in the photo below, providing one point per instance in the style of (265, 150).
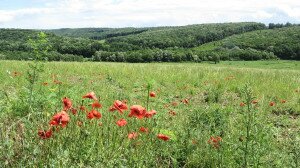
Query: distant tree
(214, 57)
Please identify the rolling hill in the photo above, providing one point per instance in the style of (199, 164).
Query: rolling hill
(221, 41)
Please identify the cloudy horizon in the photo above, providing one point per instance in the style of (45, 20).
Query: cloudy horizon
(49, 14)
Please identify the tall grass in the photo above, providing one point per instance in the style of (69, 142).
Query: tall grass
(194, 102)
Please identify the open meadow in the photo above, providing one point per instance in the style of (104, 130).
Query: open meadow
(232, 114)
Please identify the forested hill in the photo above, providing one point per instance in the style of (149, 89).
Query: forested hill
(283, 42)
(225, 41)
(97, 33)
(125, 39)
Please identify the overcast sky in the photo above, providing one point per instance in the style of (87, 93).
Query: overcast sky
(142, 13)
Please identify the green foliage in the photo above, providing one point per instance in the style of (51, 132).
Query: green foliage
(260, 44)
(183, 36)
(40, 46)
(196, 43)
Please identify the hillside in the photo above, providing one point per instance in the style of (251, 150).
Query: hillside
(97, 33)
(124, 39)
(14, 44)
(283, 42)
(203, 42)
(180, 36)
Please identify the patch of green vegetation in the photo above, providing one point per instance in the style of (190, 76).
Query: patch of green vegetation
(216, 115)
(283, 42)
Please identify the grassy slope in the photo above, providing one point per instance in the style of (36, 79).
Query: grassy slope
(185, 36)
(260, 39)
(108, 146)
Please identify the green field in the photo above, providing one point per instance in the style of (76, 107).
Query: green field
(207, 111)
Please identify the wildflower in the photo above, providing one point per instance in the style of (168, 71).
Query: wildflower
(96, 104)
(132, 135)
(254, 101)
(163, 137)
(150, 114)
(137, 111)
(143, 129)
(90, 115)
(272, 103)
(74, 111)
(60, 119)
(82, 108)
(45, 134)
(215, 141)
(122, 122)
(283, 101)
(90, 95)
(118, 105)
(242, 104)
(152, 94)
(185, 101)
(96, 114)
(67, 103)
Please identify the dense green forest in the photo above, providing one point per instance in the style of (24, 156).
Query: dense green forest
(203, 42)
(283, 42)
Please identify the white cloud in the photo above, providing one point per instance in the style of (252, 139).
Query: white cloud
(124, 13)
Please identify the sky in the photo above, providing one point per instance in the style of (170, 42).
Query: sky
(49, 14)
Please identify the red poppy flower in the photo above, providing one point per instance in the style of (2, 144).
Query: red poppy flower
(90, 115)
(90, 95)
(96, 114)
(82, 108)
(137, 111)
(283, 101)
(60, 119)
(118, 105)
(272, 103)
(122, 122)
(45, 134)
(143, 129)
(133, 135)
(74, 111)
(185, 101)
(215, 141)
(163, 137)
(150, 114)
(152, 94)
(67, 103)
(254, 101)
(96, 104)
(242, 104)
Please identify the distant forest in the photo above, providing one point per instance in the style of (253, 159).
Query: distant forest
(202, 42)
